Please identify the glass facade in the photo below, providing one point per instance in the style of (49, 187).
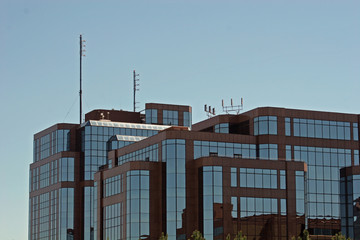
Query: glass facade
(187, 119)
(221, 128)
(89, 213)
(355, 132)
(66, 169)
(350, 206)
(268, 151)
(120, 141)
(265, 125)
(321, 129)
(52, 143)
(151, 116)
(258, 178)
(95, 139)
(256, 209)
(173, 153)
(261, 217)
(300, 192)
(43, 216)
(171, 117)
(113, 185)
(137, 204)
(66, 209)
(113, 221)
(150, 153)
(223, 149)
(287, 127)
(323, 190)
(213, 227)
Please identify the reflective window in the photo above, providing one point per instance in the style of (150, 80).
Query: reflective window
(288, 152)
(52, 143)
(170, 117)
(234, 207)
(321, 129)
(43, 216)
(250, 206)
(268, 151)
(356, 157)
(221, 128)
(89, 210)
(322, 180)
(265, 125)
(287, 127)
(66, 209)
(282, 179)
(173, 153)
(300, 192)
(138, 209)
(258, 178)
(355, 132)
(66, 169)
(233, 177)
(222, 149)
(149, 153)
(113, 185)
(151, 116)
(43, 176)
(212, 201)
(187, 119)
(113, 221)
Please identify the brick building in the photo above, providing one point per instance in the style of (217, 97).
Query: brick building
(270, 172)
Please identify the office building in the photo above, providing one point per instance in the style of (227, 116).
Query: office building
(269, 172)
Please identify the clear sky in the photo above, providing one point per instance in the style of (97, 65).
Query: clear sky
(295, 54)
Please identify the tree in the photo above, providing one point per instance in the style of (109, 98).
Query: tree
(196, 235)
(306, 235)
(163, 237)
(239, 236)
(339, 236)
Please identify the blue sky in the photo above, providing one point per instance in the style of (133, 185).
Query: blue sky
(295, 54)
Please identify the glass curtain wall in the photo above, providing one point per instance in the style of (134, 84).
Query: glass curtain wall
(323, 185)
(137, 204)
(213, 225)
(66, 209)
(173, 153)
(350, 206)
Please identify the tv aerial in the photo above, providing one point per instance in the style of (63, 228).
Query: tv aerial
(232, 108)
(210, 112)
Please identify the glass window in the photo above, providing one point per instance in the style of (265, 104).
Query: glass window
(234, 207)
(288, 152)
(187, 119)
(355, 132)
(265, 125)
(151, 116)
(233, 177)
(287, 127)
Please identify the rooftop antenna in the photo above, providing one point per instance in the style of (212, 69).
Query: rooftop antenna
(136, 85)
(232, 107)
(210, 112)
(82, 51)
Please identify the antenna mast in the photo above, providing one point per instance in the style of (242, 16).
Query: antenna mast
(136, 85)
(210, 112)
(232, 107)
(81, 55)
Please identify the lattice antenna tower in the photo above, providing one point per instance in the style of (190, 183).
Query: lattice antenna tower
(210, 112)
(82, 54)
(232, 108)
(136, 87)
